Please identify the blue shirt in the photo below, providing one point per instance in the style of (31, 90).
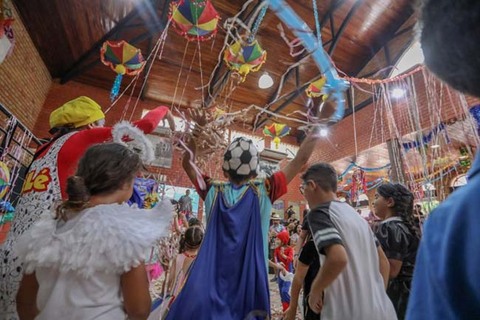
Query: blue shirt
(446, 283)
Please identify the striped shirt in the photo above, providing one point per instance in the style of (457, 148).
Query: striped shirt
(358, 292)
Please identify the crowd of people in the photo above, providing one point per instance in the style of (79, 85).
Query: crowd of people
(84, 259)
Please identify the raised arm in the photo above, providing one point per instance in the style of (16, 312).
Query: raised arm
(303, 154)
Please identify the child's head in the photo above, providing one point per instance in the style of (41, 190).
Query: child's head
(103, 169)
(283, 239)
(449, 38)
(191, 239)
(240, 160)
(319, 180)
(394, 199)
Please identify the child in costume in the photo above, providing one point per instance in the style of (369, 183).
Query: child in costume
(229, 277)
(85, 261)
(284, 256)
(76, 125)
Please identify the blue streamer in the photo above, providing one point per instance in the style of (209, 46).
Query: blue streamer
(317, 20)
(257, 23)
(425, 139)
(116, 87)
(335, 86)
(354, 165)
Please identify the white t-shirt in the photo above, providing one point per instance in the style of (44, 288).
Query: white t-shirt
(358, 292)
(78, 264)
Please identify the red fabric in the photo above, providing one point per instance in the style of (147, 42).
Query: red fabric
(203, 193)
(288, 252)
(276, 185)
(73, 149)
(285, 305)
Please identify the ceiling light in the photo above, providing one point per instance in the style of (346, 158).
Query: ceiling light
(398, 93)
(265, 81)
(323, 132)
(435, 146)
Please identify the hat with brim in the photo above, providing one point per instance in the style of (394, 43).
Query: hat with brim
(76, 113)
(275, 217)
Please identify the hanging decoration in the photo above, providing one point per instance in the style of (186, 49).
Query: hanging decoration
(358, 185)
(365, 169)
(195, 20)
(7, 38)
(243, 57)
(475, 112)
(425, 139)
(7, 212)
(276, 131)
(123, 58)
(4, 179)
(334, 86)
(315, 89)
(464, 159)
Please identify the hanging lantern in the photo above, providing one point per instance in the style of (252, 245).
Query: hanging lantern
(194, 19)
(4, 179)
(315, 89)
(243, 58)
(123, 58)
(276, 131)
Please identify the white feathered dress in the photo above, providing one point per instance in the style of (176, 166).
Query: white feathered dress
(78, 264)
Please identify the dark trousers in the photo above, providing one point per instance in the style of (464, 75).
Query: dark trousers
(399, 290)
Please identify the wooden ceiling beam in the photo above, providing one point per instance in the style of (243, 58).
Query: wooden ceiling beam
(145, 7)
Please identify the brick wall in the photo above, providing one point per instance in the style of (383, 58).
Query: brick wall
(24, 78)
(340, 143)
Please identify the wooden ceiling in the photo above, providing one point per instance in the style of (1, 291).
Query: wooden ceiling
(361, 36)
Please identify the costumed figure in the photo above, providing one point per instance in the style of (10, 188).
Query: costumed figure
(228, 279)
(76, 126)
(284, 256)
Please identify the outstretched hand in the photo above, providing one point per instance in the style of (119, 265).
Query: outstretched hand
(199, 116)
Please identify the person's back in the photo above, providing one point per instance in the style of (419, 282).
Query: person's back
(359, 291)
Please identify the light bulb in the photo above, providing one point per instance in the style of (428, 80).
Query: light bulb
(323, 132)
(265, 81)
(398, 93)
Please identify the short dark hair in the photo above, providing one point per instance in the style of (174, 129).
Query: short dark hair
(324, 175)
(449, 38)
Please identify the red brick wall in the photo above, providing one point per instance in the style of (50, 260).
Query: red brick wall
(24, 78)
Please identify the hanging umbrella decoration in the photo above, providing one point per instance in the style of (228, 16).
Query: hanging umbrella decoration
(194, 20)
(245, 57)
(276, 131)
(4, 179)
(123, 58)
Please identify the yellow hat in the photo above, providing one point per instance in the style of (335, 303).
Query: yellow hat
(77, 112)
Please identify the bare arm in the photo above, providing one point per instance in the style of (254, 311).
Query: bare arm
(384, 265)
(395, 266)
(303, 154)
(297, 283)
(336, 260)
(27, 297)
(172, 271)
(298, 246)
(136, 297)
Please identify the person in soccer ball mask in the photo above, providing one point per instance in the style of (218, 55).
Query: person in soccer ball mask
(229, 277)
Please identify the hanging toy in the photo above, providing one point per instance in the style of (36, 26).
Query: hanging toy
(243, 57)
(276, 131)
(4, 179)
(123, 58)
(7, 38)
(315, 89)
(194, 19)
(359, 185)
